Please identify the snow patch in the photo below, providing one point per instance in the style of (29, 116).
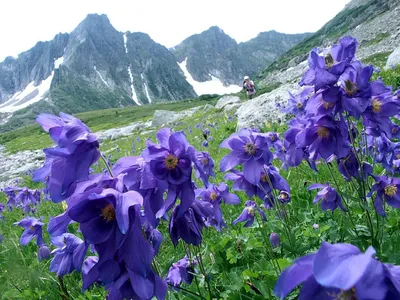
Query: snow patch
(58, 62)
(134, 95)
(145, 88)
(213, 86)
(101, 77)
(31, 94)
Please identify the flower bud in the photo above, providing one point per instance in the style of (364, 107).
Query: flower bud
(44, 252)
(275, 240)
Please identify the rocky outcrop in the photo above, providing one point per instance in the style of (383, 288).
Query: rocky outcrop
(225, 100)
(394, 58)
(254, 113)
(164, 117)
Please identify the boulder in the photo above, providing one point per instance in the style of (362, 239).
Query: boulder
(232, 106)
(208, 107)
(164, 117)
(225, 100)
(394, 58)
(254, 113)
(122, 131)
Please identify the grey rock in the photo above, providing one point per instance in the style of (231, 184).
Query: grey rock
(208, 107)
(225, 100)
(164, 117)
(394, 58)
(122, 131)
(254, 113)
(232, 106)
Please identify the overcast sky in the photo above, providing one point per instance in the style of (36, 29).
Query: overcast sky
(168, 22)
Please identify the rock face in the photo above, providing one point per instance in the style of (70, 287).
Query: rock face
(225, 100)
(164, 117)
(394, 58)
(214, 53)
(254, 113)
(374, 23)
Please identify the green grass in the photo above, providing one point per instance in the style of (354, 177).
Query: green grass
(376, 40)
(33, 137)
(377, 59)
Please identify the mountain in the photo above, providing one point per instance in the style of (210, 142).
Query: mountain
(374, 23)
(95, 67)
(213, 53)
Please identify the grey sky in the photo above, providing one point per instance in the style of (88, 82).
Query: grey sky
(168, 22)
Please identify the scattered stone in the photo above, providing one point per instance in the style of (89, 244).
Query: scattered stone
(208, 107)
(164, 117)
(233, 106)
(225, 100)
(254, 113)
(122, 131)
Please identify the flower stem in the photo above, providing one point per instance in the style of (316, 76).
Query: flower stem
(203, 270)
(189, 292)
(107, 166)
(63, 289)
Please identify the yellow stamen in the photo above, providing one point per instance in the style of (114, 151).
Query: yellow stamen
(299, 105)
(250, 210)
(171, 162)
(350, 88)
(213, 196)
(390, 190)
(326, 104)
(376, 105)
(108, 213)
(250, 149)
(323, 132)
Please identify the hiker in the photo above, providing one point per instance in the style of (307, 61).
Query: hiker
(249, 86)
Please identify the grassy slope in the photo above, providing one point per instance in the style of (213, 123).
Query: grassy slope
(32, 137)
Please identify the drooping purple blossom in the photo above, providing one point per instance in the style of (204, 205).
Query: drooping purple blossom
(298, 102)
(181, 271)
(250, 149)
(68, 162)
(204, 165)
(69, 255)
(329, 196)
(340, 271)
(33, 228)
(189, 225)
(215, 195)
(248, 214)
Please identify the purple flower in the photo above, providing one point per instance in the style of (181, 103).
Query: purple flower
(250, 149)
(102, 213)
(33, 228)
(340, 271)
(1, 238)
(315, 226)
(387, 189)
(68, 162)
(248, 213)
(297, 103)
(330, 198)
(215, 195)
(43, 252)
(170, 162)
(206, 133)
(188, 226)
(325, 70)
(181, 271)
(204, 165)
(284, 197)
(323, 138)
(27, 197)
(349, 166)
(275, 240)
(204, 144)
(69, 255)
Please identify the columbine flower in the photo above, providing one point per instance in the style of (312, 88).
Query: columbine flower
(275, 240)
(250, 149)
(44, 252)
(204, 144)
(189, 225)
(181, 271)
(27, 197)
(204, 165)
(206, 133)
(349, 166)
(101, 213)
(340, 271)
(387, 189)
(248, 212)
(298, 102)
(215, 195)
(284, 197)
(325, 70)
(68, 162)
(330, 198)
(33, 228)
(324, 137)
(69, 255)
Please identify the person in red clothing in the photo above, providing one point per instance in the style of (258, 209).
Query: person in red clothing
(248, 85)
